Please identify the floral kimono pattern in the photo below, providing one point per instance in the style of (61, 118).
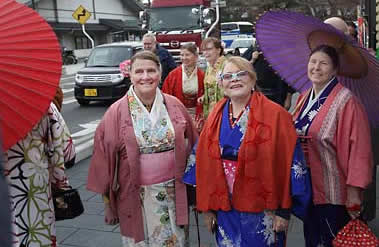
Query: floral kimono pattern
(155, 133)
(240, 229)
(33, 166)
(212, 92)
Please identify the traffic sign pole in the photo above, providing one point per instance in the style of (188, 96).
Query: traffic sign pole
(88, 36)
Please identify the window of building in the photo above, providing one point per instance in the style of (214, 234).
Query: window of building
(82, 42)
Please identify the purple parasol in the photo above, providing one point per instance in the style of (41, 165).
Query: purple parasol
(286, 39)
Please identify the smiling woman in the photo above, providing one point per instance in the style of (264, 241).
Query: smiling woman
(338, 150)
(135, 165)
(245, 203)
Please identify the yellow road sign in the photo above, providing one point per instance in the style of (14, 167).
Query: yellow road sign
(81, 15)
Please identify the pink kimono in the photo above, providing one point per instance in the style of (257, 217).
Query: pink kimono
(340, 150)
(115, 134)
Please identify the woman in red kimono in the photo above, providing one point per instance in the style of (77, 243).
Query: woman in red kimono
(186, 82)
(335, 132)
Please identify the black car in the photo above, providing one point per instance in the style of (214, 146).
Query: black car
(101, 79)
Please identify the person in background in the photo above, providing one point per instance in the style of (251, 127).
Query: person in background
(186, 82)
(213, 52)
(352, 28)
(34, 167)
(338, 23)
(336, 133)
(268, 81)
(166, 60)
(243, 163)
(140, 151)
(5, 213)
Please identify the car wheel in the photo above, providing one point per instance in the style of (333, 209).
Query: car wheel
(83, 101)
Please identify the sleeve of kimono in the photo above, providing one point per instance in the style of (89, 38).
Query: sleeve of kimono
(60, 149)
(301, 188)
(354, 144)
(99, 174)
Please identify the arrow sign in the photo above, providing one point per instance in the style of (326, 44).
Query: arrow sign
(81, 14)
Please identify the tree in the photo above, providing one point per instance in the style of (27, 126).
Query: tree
(248, 9)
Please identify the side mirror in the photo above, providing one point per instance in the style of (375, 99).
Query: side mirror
(85, 61)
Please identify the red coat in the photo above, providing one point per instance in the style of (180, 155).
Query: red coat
(264, 161)
(173, 85)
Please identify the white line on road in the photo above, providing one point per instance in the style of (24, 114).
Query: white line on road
(69, 100)
(67, 90)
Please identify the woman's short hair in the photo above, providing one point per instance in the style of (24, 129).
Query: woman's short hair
(242, 64)
(190, 47)
(330, 51)
(145, 55)
(216, 43)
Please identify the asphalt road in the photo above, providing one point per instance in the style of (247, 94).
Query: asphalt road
(76, 116)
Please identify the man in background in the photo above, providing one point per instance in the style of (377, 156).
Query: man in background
(166, 59)
(268, 81)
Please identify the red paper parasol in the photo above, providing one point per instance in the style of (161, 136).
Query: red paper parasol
(30, 69)
(286, 39)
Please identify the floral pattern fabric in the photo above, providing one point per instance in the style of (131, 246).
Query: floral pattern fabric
(32, 167)
(212, 91)
(159, 212)
(154, 130)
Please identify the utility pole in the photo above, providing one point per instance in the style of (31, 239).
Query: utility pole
(370, 13)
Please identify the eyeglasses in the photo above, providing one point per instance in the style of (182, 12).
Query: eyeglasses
(233, 76)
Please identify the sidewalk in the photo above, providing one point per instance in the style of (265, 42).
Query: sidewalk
(70, 70)
(89, 229)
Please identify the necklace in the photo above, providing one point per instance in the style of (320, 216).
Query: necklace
(189, 70)
(148, 107)
(234, 121)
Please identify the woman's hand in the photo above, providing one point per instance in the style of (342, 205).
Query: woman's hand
(110, 218)
(279, 224)
(210, 221)
(354, 201)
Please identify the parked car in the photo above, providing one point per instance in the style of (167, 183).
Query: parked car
(101, 79)
(239, 46)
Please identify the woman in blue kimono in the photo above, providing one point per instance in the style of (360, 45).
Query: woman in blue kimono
(243, 118)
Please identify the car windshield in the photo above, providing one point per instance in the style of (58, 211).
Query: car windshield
(168, 19)
(109, 56)
(242, 43)
(229, 27)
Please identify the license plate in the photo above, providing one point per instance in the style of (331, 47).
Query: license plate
(90, 92)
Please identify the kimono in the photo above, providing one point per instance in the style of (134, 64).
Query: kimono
(239, 228)
(336, 137)
(212, 92)
(177, 84)
(33, 166)
(151, 209)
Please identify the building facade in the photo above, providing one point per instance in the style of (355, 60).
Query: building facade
(110, 21)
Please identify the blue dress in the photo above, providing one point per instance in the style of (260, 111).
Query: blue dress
(240, 229)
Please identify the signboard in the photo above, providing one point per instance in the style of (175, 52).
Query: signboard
(81, 15)
(221, 3)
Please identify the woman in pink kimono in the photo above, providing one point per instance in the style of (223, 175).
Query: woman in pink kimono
(140, 152)
(336, 139)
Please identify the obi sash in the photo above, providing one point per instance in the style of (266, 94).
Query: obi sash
(157, 167)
